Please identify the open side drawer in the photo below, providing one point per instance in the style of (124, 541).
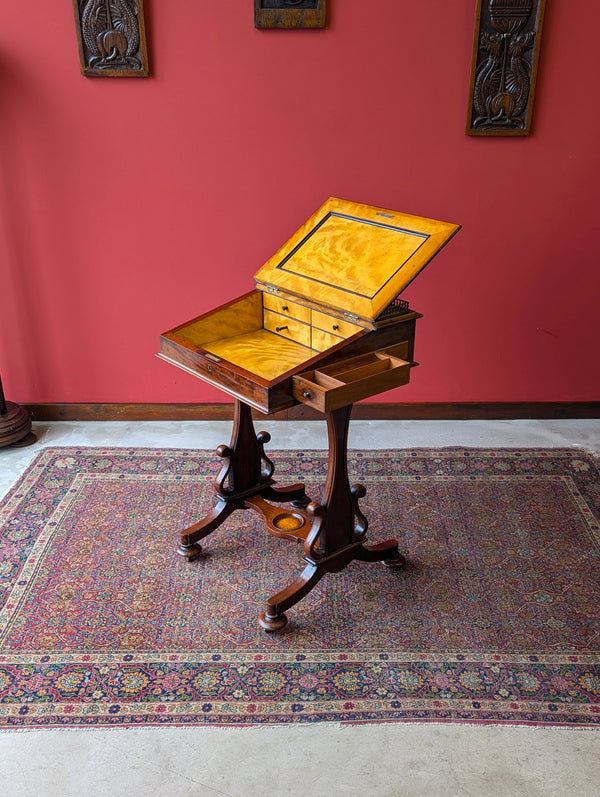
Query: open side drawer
(344, 382)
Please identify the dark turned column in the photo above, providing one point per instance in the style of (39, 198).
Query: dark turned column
(15, 424)
(339, 500)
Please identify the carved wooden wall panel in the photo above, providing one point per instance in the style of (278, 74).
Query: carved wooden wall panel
(112, 37)
(290, 13)
(506, 50)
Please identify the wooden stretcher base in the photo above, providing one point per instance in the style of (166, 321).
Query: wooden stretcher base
(332, 534)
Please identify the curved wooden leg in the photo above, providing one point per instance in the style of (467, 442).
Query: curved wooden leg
(189, 537)
(274, 619)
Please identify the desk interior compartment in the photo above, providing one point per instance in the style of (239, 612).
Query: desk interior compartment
(344, 382)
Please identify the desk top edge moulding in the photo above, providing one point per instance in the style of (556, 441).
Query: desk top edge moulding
(298, 14)
(111, 36)
(324, 326)
(504, 66)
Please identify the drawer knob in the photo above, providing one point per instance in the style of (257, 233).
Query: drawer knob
(285, 308)
(280, 329)
(307, 394)
(336, 326)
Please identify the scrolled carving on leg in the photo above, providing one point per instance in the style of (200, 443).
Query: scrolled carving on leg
(313, 545)
(361, 524)
(266, 465)
(221, 486)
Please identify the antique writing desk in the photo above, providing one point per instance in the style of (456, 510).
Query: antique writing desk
(324, 326)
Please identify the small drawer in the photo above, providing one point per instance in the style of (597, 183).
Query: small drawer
(285, 307)
(321, 341)
(333, 325)
(209, 366)
(288, 328)
(347, 381)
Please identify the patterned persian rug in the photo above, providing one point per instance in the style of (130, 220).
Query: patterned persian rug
(495, 619)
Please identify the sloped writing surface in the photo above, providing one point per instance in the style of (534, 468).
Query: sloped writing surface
(359, 256)
(355, 257)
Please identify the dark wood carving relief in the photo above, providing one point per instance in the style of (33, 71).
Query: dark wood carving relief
(112, 37)
(506, 50)
(290, 13)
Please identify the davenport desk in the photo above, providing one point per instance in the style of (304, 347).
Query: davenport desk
(325, 327)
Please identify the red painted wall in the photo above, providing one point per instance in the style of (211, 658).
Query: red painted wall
(128, 206)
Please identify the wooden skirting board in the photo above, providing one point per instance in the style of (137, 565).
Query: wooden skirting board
(363, 411)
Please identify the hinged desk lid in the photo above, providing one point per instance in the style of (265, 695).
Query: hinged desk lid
(355, 257)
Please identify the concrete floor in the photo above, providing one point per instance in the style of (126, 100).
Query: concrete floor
(395, 760)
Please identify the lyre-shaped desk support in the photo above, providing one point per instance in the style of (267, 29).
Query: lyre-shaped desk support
(333, 534)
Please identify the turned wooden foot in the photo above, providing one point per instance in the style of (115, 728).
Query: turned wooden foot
(301, 503)
(398, 561)
(382, 552)
(271, 624)
(190, 552)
